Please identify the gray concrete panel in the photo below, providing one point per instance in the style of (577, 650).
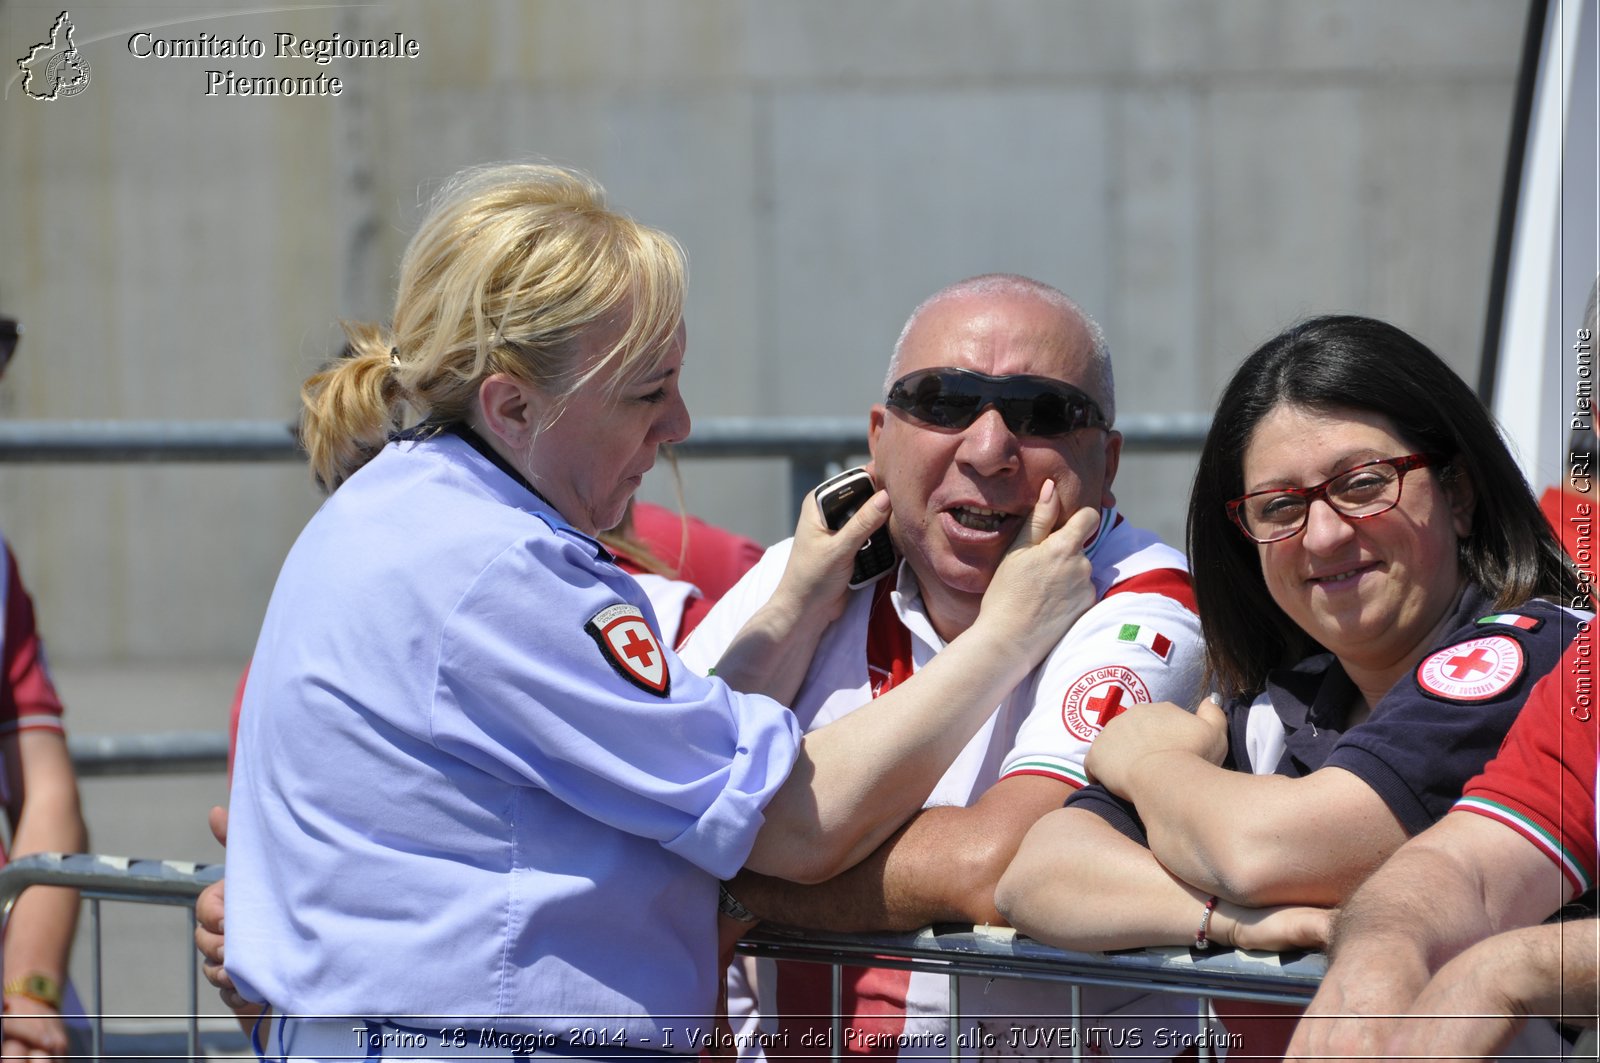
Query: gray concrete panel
(1420, 38)
(954, 41)
(1157, 254)
(1284, 193)
(890, 196)
(614, 44)
(1457, 135)
(941, 43)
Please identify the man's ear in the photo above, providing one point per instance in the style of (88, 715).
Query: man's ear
(512, 410)
(1113, 459)
(875, 419)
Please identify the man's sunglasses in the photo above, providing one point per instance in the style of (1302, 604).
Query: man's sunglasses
(1030, 405)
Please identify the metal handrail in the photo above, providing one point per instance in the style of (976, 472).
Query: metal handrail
(231, 441)
(114, 878)
(815, 447)
(1000, 952)
(806, 439)
(157, 753)
(956, 952)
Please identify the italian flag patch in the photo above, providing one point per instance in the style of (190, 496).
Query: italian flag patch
(1516, 620)
(1148, 637)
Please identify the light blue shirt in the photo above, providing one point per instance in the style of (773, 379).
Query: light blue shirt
(449, 801)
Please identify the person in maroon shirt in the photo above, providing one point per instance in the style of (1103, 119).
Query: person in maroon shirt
(40, 793)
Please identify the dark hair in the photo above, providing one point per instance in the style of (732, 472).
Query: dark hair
(1355, 363)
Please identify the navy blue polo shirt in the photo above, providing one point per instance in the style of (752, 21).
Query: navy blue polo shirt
(1434, 730)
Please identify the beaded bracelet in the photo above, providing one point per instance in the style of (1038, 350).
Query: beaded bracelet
(1201, 942)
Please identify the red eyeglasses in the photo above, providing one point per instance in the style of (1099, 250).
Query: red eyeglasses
(1367, 490)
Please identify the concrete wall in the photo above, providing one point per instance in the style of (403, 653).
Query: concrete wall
(1197, 173)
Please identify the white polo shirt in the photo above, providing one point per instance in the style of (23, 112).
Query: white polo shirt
(1139, 642)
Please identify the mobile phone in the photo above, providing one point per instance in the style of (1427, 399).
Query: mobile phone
(838, 497)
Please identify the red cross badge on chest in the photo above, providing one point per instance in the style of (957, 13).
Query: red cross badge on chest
(1099, 696)
(1474, 670)
(631, 648)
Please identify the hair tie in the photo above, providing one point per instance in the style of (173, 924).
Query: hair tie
(394, 358)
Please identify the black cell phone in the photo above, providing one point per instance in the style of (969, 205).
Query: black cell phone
(839, 497)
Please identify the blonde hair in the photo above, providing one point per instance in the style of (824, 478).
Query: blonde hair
(511, 267)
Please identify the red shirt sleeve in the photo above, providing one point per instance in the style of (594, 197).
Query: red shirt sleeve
(1572, 518)
(27, 698)
(714, 558)
(1542, 782)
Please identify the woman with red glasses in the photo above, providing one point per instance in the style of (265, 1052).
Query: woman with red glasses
(1378, 592)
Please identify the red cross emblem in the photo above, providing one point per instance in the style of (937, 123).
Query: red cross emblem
(1471, 671)
(1467, 666)
(631, 648)
(639, 649)
(1099, 696)
(1107, 708)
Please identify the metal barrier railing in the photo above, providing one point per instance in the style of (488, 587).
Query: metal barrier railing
(113, 878)
(955, 953)
(797, 438)
(1000, 952)
(961, 953)
(813, 446)
(154, 753)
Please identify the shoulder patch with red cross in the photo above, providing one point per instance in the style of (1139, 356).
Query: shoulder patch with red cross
(1475, 670)
(1099, 696)
(630, 647)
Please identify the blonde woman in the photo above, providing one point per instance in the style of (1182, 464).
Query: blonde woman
(473, 782)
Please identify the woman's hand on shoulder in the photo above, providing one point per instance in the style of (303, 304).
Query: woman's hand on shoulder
(1145, 730)
(1043, 584)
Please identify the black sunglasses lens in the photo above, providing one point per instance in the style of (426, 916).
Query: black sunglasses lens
(1045, 415)
(940, 401)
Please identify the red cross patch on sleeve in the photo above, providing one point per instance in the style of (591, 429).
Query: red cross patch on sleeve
(1097, 697)
(1474, 670)
(630, 647)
